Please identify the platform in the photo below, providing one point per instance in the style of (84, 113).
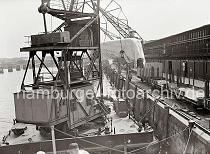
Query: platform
(56, 48)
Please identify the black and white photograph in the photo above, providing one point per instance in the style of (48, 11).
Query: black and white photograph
(105, 77)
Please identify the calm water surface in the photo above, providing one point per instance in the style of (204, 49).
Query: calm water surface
(9, 83)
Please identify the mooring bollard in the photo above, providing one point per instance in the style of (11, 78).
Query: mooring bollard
(167, 108)
(191, 124)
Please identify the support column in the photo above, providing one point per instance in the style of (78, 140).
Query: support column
(22, 84)
(33, 67)
(193, 73)
(99, 50)
(53, 139)
(125, 147)
(206, 79)
(207, 88)
(167, 108)
(173, 78)
(180, 71)
(167, 72)
(177, 77)
(40, 67)
(165, 130)
(188, 69)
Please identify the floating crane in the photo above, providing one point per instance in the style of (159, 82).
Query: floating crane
(77, 40)
(63, 101)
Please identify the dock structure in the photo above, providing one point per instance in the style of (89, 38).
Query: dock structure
(172, 125)
(174, 90)
(181, 61)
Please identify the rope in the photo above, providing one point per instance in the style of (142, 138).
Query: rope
(187, 142)
(90, 142)
(178, 133)
(146, 114)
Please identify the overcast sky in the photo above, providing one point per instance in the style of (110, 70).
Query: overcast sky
(152, 19)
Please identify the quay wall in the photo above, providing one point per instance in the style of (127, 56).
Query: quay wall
(172, 129)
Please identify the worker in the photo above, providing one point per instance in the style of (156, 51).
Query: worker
(74, 149)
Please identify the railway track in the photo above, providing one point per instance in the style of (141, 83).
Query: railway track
(199, 115)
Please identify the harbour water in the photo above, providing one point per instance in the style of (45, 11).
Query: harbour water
(10, 82)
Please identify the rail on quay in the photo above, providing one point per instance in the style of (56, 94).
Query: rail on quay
(174, 110)
(165, 120)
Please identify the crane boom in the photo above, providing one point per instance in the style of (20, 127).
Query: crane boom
(120, 24)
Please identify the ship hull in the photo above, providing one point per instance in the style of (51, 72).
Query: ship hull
(113, 143)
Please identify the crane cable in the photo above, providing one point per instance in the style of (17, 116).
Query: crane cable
(176, 134)
(187, 142)
(90, 142)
